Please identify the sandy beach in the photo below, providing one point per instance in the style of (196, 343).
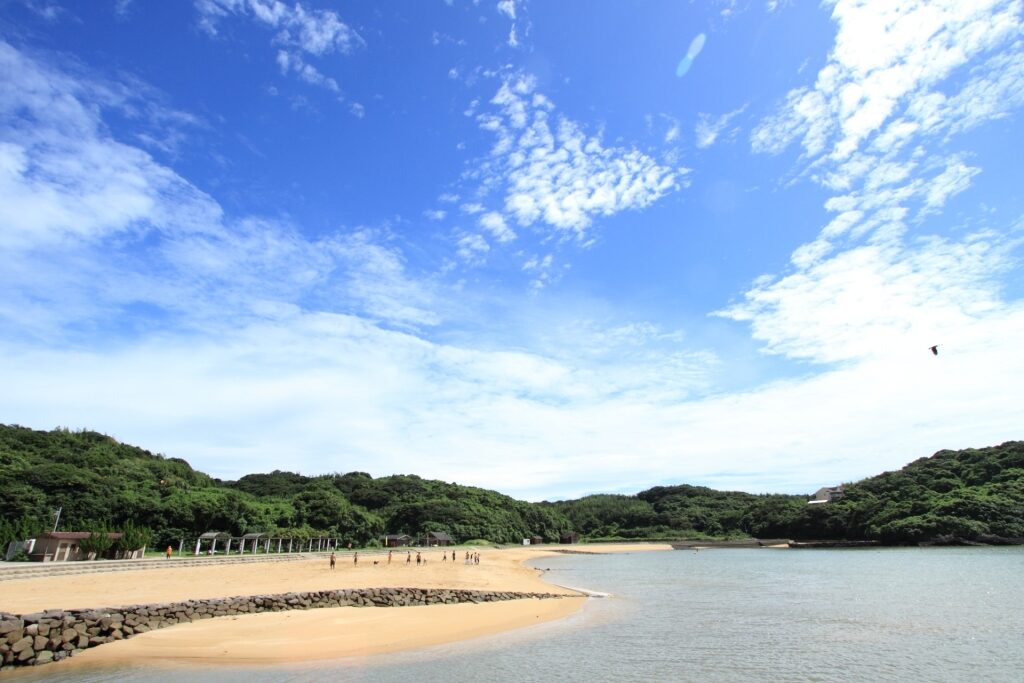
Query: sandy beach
(285, 636)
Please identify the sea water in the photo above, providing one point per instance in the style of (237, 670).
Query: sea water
(893, 614)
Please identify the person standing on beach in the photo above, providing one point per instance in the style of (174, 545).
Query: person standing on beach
(453, 558)
(170, 551)
(333, 560)
(419, 559)
(389, 557)
(355, 559)
(408, 556)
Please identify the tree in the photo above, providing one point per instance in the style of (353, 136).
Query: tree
(96, 544)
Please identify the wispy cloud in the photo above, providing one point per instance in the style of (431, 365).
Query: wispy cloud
(864, 288)
(494, 223)
(710, 127)
(73, 197)
(473, 249)
(509, 9)
(298, 33)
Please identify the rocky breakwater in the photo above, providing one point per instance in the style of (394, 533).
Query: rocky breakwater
(53, 635)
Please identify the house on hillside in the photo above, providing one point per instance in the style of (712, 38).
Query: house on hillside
(395, 540)
(826, 494)
(62, 546)
(436, 538)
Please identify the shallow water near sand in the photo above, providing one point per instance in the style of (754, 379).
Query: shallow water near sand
(935, 614)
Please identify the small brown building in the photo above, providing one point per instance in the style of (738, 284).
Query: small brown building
(571, 537)
(436, 538)
(396, 540)
(61, 546)
(536, 540)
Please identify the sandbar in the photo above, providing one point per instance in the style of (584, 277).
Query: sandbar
(315, 634)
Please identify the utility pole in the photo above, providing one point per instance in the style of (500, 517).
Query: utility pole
(56, 519)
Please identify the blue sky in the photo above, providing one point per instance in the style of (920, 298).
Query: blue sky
(507, 244)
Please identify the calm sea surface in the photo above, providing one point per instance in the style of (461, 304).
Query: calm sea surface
(936, 614)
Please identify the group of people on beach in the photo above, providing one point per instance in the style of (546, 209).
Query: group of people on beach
(470, 558)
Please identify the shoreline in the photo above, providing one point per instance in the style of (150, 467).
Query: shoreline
(316, 635)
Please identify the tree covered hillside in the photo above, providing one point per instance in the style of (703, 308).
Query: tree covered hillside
(969, 495)
(102, 483)
(976, 494)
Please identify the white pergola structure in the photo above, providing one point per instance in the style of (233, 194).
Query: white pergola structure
(322, 544)
(212, 537)
(254, 539)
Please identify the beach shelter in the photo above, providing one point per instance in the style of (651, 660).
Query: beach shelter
(252, 538)
(211, 537)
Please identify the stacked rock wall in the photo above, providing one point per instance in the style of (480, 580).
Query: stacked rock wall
(53, 635)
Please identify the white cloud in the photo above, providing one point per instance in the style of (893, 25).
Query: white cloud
(493, 223)
(508, 8)
(62, 178)
(887, 56)
(435, 214)
(954, 179)
(554, 174)
(473, 248)
(357, 110)
(710, 127)
(298, 31)
(879, 301)
(291, 62)
(317, 32)
(541, 269)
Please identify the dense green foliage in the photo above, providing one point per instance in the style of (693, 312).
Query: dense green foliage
(975, 494)
(666, 512)
(103, 483)
(953, 496)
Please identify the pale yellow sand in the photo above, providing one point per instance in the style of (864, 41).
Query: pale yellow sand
(276, 637)
(314, 634)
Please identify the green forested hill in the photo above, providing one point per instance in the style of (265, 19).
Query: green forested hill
(976, 494)
(100, 482)
(972, 495)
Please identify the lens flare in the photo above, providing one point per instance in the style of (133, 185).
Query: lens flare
(696, 45)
